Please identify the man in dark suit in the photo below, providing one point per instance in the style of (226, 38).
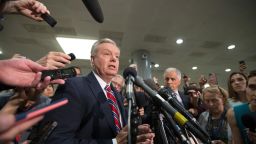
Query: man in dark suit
(88, 117)
(172, 80)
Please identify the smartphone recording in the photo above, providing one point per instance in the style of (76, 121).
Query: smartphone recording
(59, 73)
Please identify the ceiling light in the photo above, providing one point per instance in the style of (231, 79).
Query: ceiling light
(194, 68)
(227, 70)
(231, 47)
(1, 52)
(80, 47)
(179, 41)
(156, 65)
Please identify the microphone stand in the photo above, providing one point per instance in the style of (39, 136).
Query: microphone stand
(170, 94)
(133, 117)
(179, 118)
(158, 125)
(183, 139)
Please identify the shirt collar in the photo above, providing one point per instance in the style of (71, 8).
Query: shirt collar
(101, 81)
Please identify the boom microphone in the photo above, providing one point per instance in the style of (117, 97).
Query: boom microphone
(94, 8)
(249, 120)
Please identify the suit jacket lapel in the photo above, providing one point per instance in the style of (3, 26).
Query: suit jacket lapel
(100, 95)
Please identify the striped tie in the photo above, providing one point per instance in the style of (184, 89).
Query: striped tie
(114, 107)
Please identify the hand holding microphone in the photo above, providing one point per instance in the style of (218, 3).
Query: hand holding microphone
(30, 8)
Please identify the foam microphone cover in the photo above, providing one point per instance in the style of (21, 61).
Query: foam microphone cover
(249, 120)
(140, 99)
(94, 8)
(129, 71)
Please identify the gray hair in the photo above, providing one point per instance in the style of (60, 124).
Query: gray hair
(171, 69)
(121, 77)
(101, 41)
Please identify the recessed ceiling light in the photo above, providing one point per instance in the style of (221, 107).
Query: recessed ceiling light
(80, 47)
(156, 65)
(179, 41)
(227, 70)
(231, 47)
(1, 52)
(194, 68)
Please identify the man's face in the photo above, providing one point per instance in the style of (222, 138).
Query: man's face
(251, 91)
(118, 83)
(106, 61)
(171, 80)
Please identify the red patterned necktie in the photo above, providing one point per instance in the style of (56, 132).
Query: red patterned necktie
(114, 107)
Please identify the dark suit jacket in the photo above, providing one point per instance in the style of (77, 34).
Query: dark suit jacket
(185, 100)
(87, 118)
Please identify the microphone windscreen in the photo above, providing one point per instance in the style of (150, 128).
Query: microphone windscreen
(129, 71)
(94, 8)
(249, 120)
(72, 56)
(140, 99)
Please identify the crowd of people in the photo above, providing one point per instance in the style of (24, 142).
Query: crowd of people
(97, 111)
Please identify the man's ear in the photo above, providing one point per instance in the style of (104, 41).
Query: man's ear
(92, 61)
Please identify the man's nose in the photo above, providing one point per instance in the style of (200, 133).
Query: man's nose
(113, 58)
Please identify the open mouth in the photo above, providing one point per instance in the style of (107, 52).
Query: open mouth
(112, 66)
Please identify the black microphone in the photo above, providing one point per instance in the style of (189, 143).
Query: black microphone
(178, 117)
(133, 117)
(168, 94)
(50, 20)
(72, 56)
(249, 120)
(94, 8)
(140, 99)
(129, 75)
(176, 128)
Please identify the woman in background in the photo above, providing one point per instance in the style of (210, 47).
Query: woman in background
(214, 120)
(236, 88)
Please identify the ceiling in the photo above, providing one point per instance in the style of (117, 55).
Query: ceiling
(206, 26)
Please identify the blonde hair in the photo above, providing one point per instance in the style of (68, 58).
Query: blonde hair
(215, 89)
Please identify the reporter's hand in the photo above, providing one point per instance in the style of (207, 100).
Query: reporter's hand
(24, 73)
(54, 60)
(144, 136)
(217, 142)
(13, 104)
(122, 136)
(141, 111)
(30, 8)
(9, 129)
(252, 136)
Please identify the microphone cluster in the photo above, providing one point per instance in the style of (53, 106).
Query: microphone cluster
(181, 116)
